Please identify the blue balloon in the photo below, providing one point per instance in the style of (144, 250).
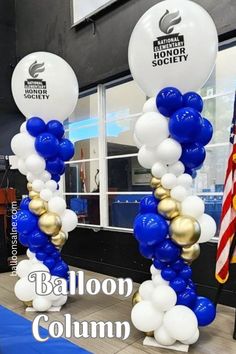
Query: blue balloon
(193, 100)
(34, 249)
(185, 125)
(56, 178)
(191, 172)
(55, 166)
(167, 251)
(178, 265)
(41, 256)
(150, 229)
(206, 133)
(191, 284)
(193, 155)
(158, 264)
(186, 273)
(168, 274)
(49, 262)
(23, 239)
(178, 284)
(24, 204)
(47, 145)
(49, 248)
(204, 310)
(187, 298)
(169, 100)
(66, 149)
(60, 270)
(55, 128)
(35, 126)
(56, 255)
(147, 251)
(148, 205)
(37, 238)
(26, 222)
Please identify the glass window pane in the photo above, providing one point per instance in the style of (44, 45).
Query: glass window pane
(86, 207)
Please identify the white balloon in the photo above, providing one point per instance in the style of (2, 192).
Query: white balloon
(150, 105)
(39, 267)
(193, 339)
(137, 142)
(146, 317)
(154, 271)
(169, 151)
(37, 185)
(208, 228)
(25, 290)
(158, 280)
(180, 323)
(22, 145)
(169, 181)
(146, 289)
(21, 167)
(163, 338)
(52, 185)
(57, 205)
(164, 47)
(30, 177)
(69, 220)
(177, 168)
(42, 304)
(30, 254)
(159, 170)
(45, 176)
(185, 180)
(146, 157)
(62, 300)
(46, 194)
(193, 206)
(23, 268)
(23, 128)
(47, 72)
(35, 164)
(151, 129)
(164, 298)
(179, 193)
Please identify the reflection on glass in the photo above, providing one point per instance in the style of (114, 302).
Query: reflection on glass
(82, 177)
(86, 207)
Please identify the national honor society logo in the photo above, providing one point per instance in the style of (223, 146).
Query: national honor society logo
(170, 48)
(36, 88)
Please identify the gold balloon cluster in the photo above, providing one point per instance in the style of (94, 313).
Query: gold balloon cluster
(49, 223)
(184, 230)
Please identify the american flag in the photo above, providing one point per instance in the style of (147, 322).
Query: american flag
(228, 214)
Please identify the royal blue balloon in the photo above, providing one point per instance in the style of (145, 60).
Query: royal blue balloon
(26, 222)
(150, 229)
(206, 133)
(49, 248)
(56, 255)
(37, 238)
(191, 284)
(23, 239)
(178, 284)
(47, 145)
(169, 100)
(49, 262)
(204, 310)
(191, 172)
(185, 125)
(147, 251)
(168, 274)
(178, 265)
(24, 204)
(56, 178)
(55, 166)
(186, 273)
(66, 149)
(35, 126)
(60, 270)
(193, 100)
(41, 256)
(167, 251)
(193, 155)
(158, 264)
(187, 298)
(55, 128)
(148, 205)
(34, 249)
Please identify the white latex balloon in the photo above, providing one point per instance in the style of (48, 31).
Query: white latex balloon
(42, 304)
(21, 167)
(30, 177)
(52, 185)
(151, 129)
(46, 194)
(35, 164)
(25, 290)
(193, 339)
(164, 47)
(185, 180)
(208, 228)
(23, 128)
(159, 170)
(146, 317)
(164, 298)
(39, 267)
(146, 289)
(30, 254)
(37, 185)
(45, 176)
(180, 323)
(150, 105)
(177, 168)
(44, 85)
(62, 300)
(193, 206)
(154, 271)
(22, 145)
(146, 157)
(137, 142)
(57, 205)
(179, 193)
(23, 268)
(158, 280)
(163, 338)
(69, 220)
(169, 181)
(169, 151)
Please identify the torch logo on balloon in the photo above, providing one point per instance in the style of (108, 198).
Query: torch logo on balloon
(171, 136)
(43, 221)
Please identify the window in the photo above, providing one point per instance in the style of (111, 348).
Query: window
(105, 183)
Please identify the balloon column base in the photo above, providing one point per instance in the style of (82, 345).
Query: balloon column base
(151, 342)
(52, 309)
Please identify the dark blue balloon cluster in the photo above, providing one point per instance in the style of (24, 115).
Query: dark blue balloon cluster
(151, 231)
(50, 144)
(186, 125)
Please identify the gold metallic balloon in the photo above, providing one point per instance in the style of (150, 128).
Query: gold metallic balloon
(161, 193)
(136, 298)
(29, 186)
(234, 158)
(59, 240)
(155, 182)
(150, 334)
(234, 202)
(50, 223)
(33, 195)
(28, 303)
(190, 254)
(168, 208)
(38, 206)
(185, 230)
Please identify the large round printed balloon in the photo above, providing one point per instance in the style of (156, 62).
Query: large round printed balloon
(44, 85)
(170, 46)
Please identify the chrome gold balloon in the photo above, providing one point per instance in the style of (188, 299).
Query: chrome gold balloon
(29, 186)
(136, 298)
(50, 223)
(168, 208)
(234, 202)
(185, 230)
(33, 195)
(59, 240)
(38, 206)
(190, 254)
(161, 193)
(155, 182)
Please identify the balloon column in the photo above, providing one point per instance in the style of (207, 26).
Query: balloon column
(43, 221)
(171, 136)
